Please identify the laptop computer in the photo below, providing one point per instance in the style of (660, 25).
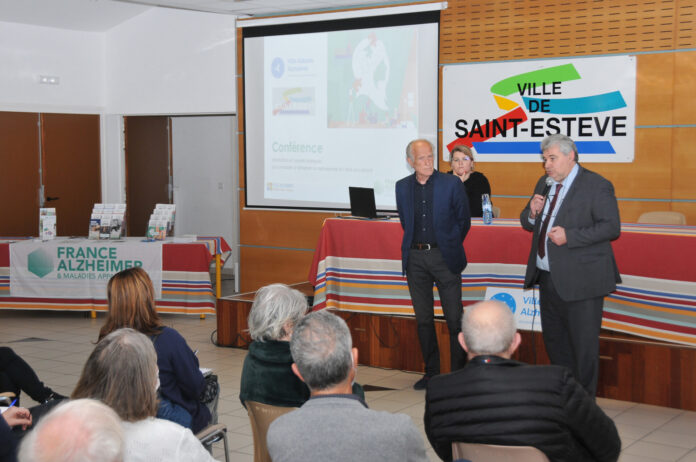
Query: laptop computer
(362, 202)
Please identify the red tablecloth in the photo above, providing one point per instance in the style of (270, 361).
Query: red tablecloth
(357, 267)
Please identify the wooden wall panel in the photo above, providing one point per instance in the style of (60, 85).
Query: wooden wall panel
(478, 30)
(262, 266)
(684, 85)
(655, 89)
(684, 164)
(282, 229)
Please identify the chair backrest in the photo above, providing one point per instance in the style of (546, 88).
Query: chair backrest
(663, 217)
(6, 398)
(493, 453)
(261, 416)
(212, 434)
(496, 212)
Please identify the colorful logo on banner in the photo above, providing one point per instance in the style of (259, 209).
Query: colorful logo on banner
(592, 100)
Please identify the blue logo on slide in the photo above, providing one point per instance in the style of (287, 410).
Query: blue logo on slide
(277, 67)
(506, 298)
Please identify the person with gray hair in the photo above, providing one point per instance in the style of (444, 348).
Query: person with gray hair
(122, 373)
(335, 424)
(266, 374)
(573, 216)
(496, 400)
(83, 430)
(434, 213)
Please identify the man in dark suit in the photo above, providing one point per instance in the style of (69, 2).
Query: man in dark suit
(434, 213)
(571, 256)
(496, 400)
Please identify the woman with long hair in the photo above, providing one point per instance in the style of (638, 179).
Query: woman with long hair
(131, 299)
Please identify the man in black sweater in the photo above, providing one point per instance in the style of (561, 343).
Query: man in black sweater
(496, 400)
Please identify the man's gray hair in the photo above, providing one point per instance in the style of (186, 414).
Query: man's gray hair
(321, 347)
(82, 430)
(409, 147)
(275, 306)
(488, 327)
(564, 143)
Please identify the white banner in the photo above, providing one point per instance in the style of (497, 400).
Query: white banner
(504, 110)
(78, 268)
(523, 303)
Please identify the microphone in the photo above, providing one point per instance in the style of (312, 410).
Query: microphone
(547, 188)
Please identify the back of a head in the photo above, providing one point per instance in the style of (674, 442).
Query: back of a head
(321, 348)
(488, 328)
(82, 430)
(131, 299)
(275, 307)
(122, 372)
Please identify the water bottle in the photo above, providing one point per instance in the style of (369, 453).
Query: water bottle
(487, 209)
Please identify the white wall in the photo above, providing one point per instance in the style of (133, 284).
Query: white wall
(167, 61)
(77, 58)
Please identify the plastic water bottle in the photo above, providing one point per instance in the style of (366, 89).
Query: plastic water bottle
(487, 209)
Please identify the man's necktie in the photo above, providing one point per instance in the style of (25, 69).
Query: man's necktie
(545, 224)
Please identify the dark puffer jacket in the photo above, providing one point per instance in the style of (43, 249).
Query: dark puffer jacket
(500, 401)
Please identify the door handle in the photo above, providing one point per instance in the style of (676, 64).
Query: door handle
(49, 199)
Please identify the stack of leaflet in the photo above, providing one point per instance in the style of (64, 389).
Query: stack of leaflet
(107, 221)
(161, 222)
(47, 223)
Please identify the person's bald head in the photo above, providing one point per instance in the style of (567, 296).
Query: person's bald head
(488, 328)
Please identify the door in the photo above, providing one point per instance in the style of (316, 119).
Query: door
(148, 161)
(19, 174)
(71, 169)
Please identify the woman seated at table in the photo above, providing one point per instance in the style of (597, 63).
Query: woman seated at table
(462, 164)
(266, 375)
(131, 299)
(122, 373)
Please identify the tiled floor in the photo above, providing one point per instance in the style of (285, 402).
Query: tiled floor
(57, 344)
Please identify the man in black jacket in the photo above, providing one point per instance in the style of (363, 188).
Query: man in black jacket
(496, 400)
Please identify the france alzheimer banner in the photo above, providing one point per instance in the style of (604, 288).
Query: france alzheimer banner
(504, 110)
(78, 269)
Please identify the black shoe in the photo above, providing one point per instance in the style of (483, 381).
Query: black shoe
(420, 385)
(55, 397)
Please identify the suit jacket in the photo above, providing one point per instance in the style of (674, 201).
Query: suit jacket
(451, 217)
(493, 400)
(585, 266)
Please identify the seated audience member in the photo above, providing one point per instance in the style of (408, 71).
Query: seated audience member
(12, 417)
(335, 425)
(266, 375)
(496, 400)
(83, 430)
(16, 375)
(122, 373)
(131, 299)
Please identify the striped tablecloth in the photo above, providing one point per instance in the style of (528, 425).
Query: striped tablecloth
(357, 267)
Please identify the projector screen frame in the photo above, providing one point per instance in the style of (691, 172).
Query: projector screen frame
(370, 22)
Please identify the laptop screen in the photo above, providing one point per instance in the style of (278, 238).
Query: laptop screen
(362, 202)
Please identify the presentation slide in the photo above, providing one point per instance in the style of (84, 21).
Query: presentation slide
(329, 110)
